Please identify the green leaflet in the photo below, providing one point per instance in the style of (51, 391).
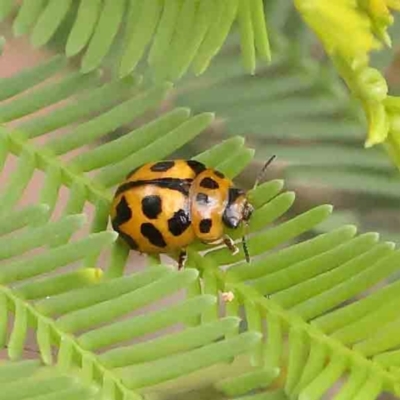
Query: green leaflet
(108, 310)
(30, 77)
(27, 378)
(46, 95)
(170, 344)
(161, 25)
(135, 327)
(168, 368)
(83, 27)
(104, 34)
(247, 382)
(96, 100)
(48, 22)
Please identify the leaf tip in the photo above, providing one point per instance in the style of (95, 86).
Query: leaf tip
(77, 220)
(210, 299)
(92, 275)
(327, 208)
(113, 236)
(236, 140)
(87, 67)
(210, 116)
(374, 236)
(391, 245)
(232, 322)
(190, 273)
(184, 111)
(350, 229)
(254, 337)
(43, 208)
(291, 196)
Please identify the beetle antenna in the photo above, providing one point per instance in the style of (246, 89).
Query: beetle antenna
(244, 244)
(262, 172)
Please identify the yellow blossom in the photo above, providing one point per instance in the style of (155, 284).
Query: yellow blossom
(379, 13)
(380, 9)
(378, 125)
(395, 4)
(377, 7)
(342, 27)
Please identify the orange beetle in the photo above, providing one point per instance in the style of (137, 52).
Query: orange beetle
(164, 206)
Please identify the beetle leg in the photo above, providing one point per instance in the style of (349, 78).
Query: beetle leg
(230, 245)
(218, 241)
(182, 259)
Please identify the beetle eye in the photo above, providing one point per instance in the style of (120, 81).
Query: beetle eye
(247, 211)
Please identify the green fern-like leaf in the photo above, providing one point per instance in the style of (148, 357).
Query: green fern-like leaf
(190, 33)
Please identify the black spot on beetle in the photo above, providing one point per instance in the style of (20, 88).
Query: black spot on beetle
(205, 225)
(219, 174)
(196, 166)
(179, 222)
(209, 183)
(201, 198)
(162, 166)
(152, 234)
(151, 206)
(129, 240)
(181, 185)
(123, 213)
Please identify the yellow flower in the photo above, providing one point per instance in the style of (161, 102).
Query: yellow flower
(379, 13)
(378, 124)
(349, 30)
(395, 4)
(341, 25)
(379, 9)
(381, 4)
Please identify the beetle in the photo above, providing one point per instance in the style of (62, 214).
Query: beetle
(164, 206)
